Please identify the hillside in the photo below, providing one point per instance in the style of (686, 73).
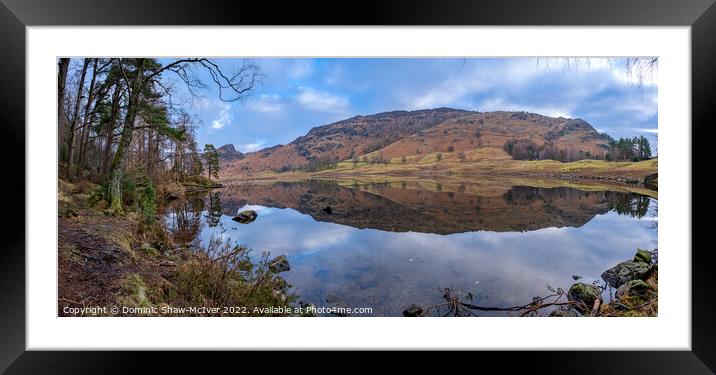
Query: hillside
(494, 129)
(341, 140)
(425, 136)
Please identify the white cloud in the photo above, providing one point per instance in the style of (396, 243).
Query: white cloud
(224, 117)
(300, 68)
(321, 101)
(251, 147)
(265, 103)
(475, 78)
(647, 130)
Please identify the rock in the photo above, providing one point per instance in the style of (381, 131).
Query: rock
(413, 311)
(585, 293)
(626, 271)
(643, 256)
(565, 311)
(632, 287)
(228, 152)
(328, 210)
(245, 217)
(279, 264)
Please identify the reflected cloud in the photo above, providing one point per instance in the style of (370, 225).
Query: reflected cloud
(355, 265)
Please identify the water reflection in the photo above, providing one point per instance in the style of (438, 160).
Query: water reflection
(389, 245)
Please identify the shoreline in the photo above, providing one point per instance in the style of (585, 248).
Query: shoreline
(584, 183)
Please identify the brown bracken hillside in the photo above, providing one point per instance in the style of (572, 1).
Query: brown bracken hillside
(418, 134)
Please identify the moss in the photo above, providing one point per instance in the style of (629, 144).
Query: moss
(149, 250)
(585, 293)
(134, 292)
(642, 256)
(644, 303)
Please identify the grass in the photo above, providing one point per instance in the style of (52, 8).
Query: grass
(121, 261)
(481, 162)
(454, 175)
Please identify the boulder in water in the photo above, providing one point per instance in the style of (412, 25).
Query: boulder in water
(279, 264)
(245, 217)
(413, 311)
(585, 293)
(626, 271)
(632, 287)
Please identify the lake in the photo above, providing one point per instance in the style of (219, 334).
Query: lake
(392, 244)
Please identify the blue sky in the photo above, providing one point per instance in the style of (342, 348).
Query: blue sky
(297, 94)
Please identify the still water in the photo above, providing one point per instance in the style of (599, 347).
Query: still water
(389, 245)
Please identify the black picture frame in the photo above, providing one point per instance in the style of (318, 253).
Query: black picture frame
(16, 15)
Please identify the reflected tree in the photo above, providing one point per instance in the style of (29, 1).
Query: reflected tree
(186, 220)
(214, 213)
(635, 205)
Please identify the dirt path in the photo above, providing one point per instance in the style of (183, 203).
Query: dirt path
(96, 255)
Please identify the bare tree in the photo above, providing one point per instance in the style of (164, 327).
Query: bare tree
(140, 74)
(63, 66)
(639, 70)
(75, 116)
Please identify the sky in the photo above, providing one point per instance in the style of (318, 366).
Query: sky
(297, 94)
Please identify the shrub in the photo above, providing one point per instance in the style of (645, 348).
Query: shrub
(148, 204)
(224, 275)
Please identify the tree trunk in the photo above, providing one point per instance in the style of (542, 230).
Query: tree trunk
(87, 119)
(116, 96)
(61, 83)
(119, 161)
(75, 116)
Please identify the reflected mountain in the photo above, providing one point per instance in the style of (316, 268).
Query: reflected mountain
(415, 207)
(482, 237)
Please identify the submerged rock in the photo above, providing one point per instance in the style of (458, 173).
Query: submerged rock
(413, 311)
(279, 264)
(245, 217)
(642, 256)
(585, 293)
(565, 311)
(626, 271)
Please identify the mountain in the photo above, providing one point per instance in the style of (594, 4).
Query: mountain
(494, 129)
(416, 134)
(228, 152)
(343, 139)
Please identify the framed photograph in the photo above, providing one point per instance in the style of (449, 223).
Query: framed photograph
(469, 176)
